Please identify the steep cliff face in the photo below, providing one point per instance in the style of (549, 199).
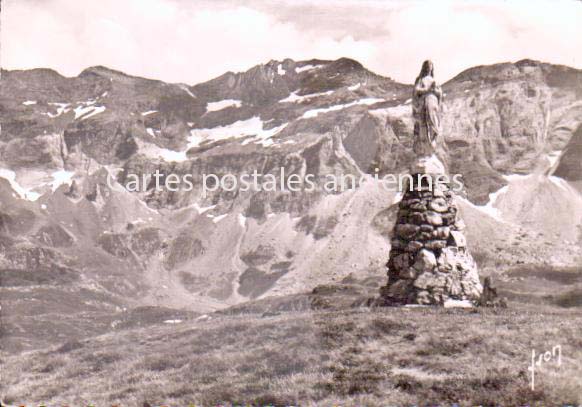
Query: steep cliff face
(504, 119)
(63, 138)
(569, 166)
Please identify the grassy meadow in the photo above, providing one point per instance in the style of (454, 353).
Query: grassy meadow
(347, 357)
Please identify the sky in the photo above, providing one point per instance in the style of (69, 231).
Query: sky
(191, 41)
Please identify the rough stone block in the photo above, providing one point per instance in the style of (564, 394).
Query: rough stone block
(414, 246)
(402, 261)
(453, 303)
(408, 202)
(407, 230)
(417, 218)
(400, 289)
(402, 213)
(430, 280)
(439, 190)
(453, 287)
(447, 258)
(436, 244)
(441, 233)
(418, 207)
(426, 228)
(434, 218)
(439, 205)
(425, 261)
(409, 273)
(424, 298)
(471, 291)
(422, 282)
(448, 219)
(398, 244)
(423, 236)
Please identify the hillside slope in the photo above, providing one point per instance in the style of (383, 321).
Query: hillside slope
(312, 350)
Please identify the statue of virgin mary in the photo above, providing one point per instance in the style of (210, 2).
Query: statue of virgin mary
(426, 101)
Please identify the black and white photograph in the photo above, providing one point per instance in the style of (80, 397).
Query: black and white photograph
(277, 203)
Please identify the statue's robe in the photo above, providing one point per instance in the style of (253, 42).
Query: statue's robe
(426, 113)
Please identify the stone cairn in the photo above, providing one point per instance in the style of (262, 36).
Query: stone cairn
(429, 260)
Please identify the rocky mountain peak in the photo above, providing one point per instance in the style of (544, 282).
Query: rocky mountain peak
(346, 64)
(525, 69)
(102, 71)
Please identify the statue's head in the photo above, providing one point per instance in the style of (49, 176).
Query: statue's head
(427, 69)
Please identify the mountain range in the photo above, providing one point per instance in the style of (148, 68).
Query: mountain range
(82, 256)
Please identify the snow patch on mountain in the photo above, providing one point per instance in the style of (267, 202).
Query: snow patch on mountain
(280, 70)
(29, 102)
(153, 151)
(516, 177)
(148, 112)
(314, 112)
(87, 110)
(397, 197)
(295, 98)
(242, 220)
(36, 181)
(354, 87)
(173, 321)
(242, 128)
(61, 177)
(306, 68)
(202, 209)
(238, 129)
(218, 218)
(21, 192)
(187, 90)
(96, 110)
(61, 108)
(222, 104)
(489, 208)
(481, 208)
(264, 137)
